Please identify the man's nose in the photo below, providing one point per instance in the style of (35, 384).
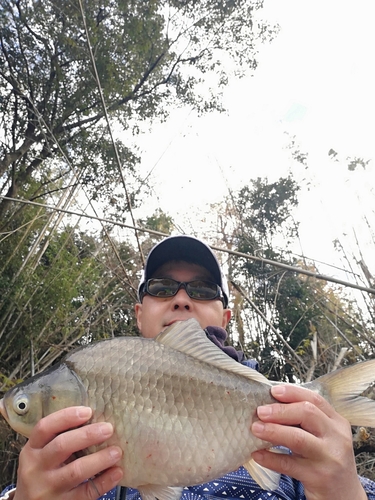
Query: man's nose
(181, 300)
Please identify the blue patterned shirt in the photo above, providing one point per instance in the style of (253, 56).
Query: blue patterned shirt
(239, 485)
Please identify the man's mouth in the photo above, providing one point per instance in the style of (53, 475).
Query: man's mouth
(174, 321)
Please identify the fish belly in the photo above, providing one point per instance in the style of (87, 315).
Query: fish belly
(178, 420)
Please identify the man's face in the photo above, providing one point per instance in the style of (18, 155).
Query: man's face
(155, 314)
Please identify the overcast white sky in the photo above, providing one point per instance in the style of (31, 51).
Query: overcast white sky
(316, 82)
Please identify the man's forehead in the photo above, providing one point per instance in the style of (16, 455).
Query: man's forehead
(167, 269)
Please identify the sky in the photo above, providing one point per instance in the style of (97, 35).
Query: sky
(315, 83)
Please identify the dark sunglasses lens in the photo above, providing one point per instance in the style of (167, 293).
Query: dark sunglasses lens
(162, 287)
(202, 290)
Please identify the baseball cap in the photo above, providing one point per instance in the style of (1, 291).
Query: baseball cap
(188, 249)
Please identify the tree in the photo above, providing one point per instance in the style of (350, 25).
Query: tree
(297, 327)
(64, 70)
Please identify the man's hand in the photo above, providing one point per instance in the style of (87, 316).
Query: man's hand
(48, 470)
(319, 438)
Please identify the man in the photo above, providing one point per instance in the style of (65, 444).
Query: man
(182, 279)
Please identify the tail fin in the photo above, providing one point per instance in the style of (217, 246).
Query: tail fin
(343, 388)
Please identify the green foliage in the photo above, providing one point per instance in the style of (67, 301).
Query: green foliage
(58, 289)
(59, 299)
(267, 207)
(354, 163)
(159, 221)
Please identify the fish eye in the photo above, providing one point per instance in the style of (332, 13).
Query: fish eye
(21, 404)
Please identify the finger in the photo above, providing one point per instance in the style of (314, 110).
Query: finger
(64, 445)
(303, 414)
(291, 466)
(335, 473)
(80, 470)
(299, 441)
(102, 484)
(293, 393)
(55, 423)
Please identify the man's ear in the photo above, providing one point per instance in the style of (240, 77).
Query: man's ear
(227, 314)
(138, 315)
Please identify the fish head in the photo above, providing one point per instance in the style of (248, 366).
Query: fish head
(21, 409)
(27, 403)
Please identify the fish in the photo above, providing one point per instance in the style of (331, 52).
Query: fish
(181, 408)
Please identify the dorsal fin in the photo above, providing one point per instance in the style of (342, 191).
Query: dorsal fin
(189, 338)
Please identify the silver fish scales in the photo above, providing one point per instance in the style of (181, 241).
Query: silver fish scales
(184, 420)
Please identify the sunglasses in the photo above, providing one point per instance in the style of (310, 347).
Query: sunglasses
(197, 289)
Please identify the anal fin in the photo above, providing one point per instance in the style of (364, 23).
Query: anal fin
(266, 478)
(152, 491)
